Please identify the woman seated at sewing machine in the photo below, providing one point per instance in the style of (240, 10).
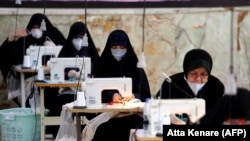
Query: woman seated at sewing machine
(74, 48)
(118, 59)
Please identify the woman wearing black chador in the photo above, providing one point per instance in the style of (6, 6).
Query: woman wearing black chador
(196, 81)
(118, 59)
(14, 47)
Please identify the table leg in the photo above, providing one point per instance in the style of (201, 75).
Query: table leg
(22, 90)
(78, 126)
(42, 113)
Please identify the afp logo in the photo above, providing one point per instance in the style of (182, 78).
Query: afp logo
(234, 132)
(240, 132)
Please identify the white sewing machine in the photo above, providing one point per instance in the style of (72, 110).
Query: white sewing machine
(38, 54)
(94, 87)
(58, 65)
(160, 109)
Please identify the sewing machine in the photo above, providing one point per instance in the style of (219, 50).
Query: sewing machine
(58, 65)
(39, 55)
(94, 87)
(160, 111)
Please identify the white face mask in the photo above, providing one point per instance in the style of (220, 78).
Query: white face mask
(118, 54)
(195, 87)
(77, 43)
(36, 33)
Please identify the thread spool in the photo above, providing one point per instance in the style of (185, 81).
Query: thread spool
(40, 75)
(26, 62)
(81, 99)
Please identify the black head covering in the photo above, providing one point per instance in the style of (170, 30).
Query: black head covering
(78, 28)
(36, 19)
(118, 39)
(68, 50)
(51, 32)
(110, 66)
(196, 58)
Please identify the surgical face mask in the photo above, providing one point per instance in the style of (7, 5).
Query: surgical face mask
(36, 33)
(118, 54)
(195, 87)
(77, 43)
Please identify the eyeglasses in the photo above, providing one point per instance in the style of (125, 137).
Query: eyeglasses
(196, 75)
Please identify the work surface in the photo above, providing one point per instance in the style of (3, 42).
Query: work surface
(61, 85)
(131, 107)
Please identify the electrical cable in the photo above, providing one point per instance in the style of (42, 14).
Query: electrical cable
(231, 86)
(231, 56)
(85, 18)
(18, 2)
(231, 42)
(85, 43)
(43, 23)
(16, 21)
(43, 26)
(143, 25)
(143, 37)
(44, 8)
(141, 61)
(33, 89)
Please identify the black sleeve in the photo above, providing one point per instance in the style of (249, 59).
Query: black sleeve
(141, 88)
(11, 53)
(163, 92)
(57, 37)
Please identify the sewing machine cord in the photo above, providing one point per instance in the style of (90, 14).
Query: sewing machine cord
(83, 65)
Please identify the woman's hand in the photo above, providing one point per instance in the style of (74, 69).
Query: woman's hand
(129, 98)
(117, 98)
(17, 34)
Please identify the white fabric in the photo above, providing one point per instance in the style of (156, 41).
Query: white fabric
(132, 136)
(91, 126)
(69, 105)
(67, 131)
(89, 131)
